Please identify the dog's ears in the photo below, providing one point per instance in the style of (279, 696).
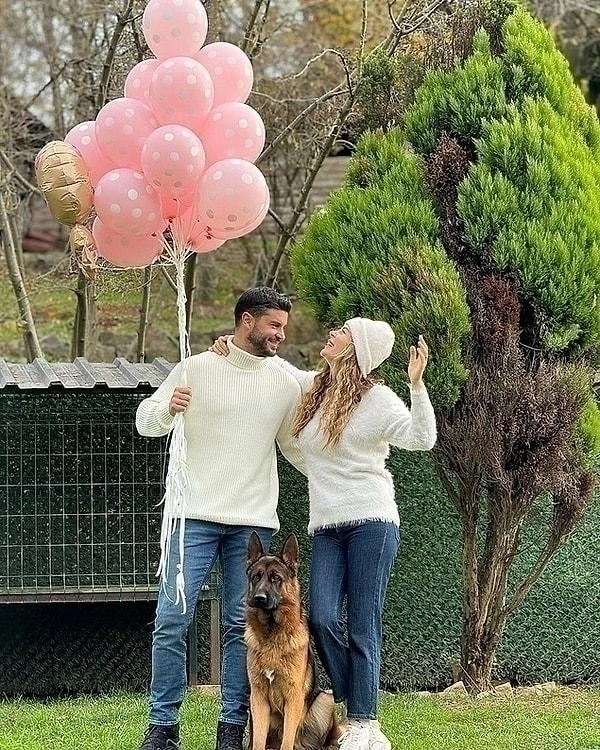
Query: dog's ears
(255, 548)
(289, 552)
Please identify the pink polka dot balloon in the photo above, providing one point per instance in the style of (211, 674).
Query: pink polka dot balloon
(189, 231)
(83, 137)
(203, 242)
(127, 204)
(170, 208)
(122, 127)
(230, 70)
(174, 27)
(175, 152)
(128, 251)
(185, 225)
(137, 83)
(232, 130)
(233, 198)
(173, 160)
(181, 92)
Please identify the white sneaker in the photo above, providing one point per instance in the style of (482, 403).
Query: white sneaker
(357, 736)
(377, 739)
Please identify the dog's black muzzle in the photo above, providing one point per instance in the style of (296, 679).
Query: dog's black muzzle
(263, 600)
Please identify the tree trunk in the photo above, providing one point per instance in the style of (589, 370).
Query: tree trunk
(51, 53)
(485, 589)
(85, 330)
(478, 653)
(471, 654)
(144, 315)
(206, 279)
(212, 11)
(26, 322)
(190, 289)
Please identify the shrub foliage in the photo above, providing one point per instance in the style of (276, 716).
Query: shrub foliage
(477, 223)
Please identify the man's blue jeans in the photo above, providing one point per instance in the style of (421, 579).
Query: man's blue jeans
(352, 563)
(204, 541)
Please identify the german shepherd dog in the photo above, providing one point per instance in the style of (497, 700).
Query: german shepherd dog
(288, 711)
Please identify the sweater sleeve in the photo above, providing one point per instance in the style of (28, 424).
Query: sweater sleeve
(414, 429)
(152, 418)
(304, 377)
(288, 444)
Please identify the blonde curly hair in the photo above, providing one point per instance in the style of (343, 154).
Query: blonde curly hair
(337, 389)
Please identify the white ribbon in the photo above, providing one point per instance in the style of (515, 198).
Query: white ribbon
(177, 484)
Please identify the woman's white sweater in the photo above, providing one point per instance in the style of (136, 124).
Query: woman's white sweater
(349, 484)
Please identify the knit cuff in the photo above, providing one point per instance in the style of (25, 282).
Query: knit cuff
(419, 392)
(164, 416)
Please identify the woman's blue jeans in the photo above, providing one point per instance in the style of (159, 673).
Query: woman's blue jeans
(352, 564)
(204, 542)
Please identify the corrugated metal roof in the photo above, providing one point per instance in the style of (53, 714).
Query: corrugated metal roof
(83, 374)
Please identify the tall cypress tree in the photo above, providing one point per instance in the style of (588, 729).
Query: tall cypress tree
(477, 223)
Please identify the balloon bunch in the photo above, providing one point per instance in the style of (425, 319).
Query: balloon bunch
(168, 167)
(168, 170)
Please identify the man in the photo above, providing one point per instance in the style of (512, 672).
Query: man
(235, 408)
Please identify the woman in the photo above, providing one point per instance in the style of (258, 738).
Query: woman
(345, 423)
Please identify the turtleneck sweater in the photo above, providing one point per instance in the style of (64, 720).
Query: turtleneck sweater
(240, 405)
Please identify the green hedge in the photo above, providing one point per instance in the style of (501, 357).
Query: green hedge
(552, 637)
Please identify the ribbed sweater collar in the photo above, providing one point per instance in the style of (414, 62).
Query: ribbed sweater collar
(239, 358)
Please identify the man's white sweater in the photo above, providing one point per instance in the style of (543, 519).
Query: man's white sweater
(240, 405)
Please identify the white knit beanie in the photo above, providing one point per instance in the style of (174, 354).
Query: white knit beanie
(373, 342)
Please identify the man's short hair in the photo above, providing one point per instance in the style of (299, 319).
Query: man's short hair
(258, 300)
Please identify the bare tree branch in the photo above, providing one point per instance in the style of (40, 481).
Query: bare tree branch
(123, 19)
(408, 26)
(276, 142)
(254, 27)
(290, 228)
(15, 174)
(26, 323)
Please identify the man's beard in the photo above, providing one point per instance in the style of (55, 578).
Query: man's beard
(259, 345)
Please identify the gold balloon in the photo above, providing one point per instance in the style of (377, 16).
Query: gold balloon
(64, 180)
(83, 251)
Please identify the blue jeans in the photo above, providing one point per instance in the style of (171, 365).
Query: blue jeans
(204, 541)
(352, 563)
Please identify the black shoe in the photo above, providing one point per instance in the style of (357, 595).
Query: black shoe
(229, 736)
(158, 737)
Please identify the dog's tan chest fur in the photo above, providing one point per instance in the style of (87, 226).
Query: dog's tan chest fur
(276, 689)
(272, 662)
(278, 663)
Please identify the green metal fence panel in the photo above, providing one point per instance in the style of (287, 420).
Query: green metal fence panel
(79, 497)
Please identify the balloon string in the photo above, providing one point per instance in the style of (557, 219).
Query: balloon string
(184, 345)
(177, 482)
(176, 492)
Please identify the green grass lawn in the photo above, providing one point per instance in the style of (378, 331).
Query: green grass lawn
(566, 719)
